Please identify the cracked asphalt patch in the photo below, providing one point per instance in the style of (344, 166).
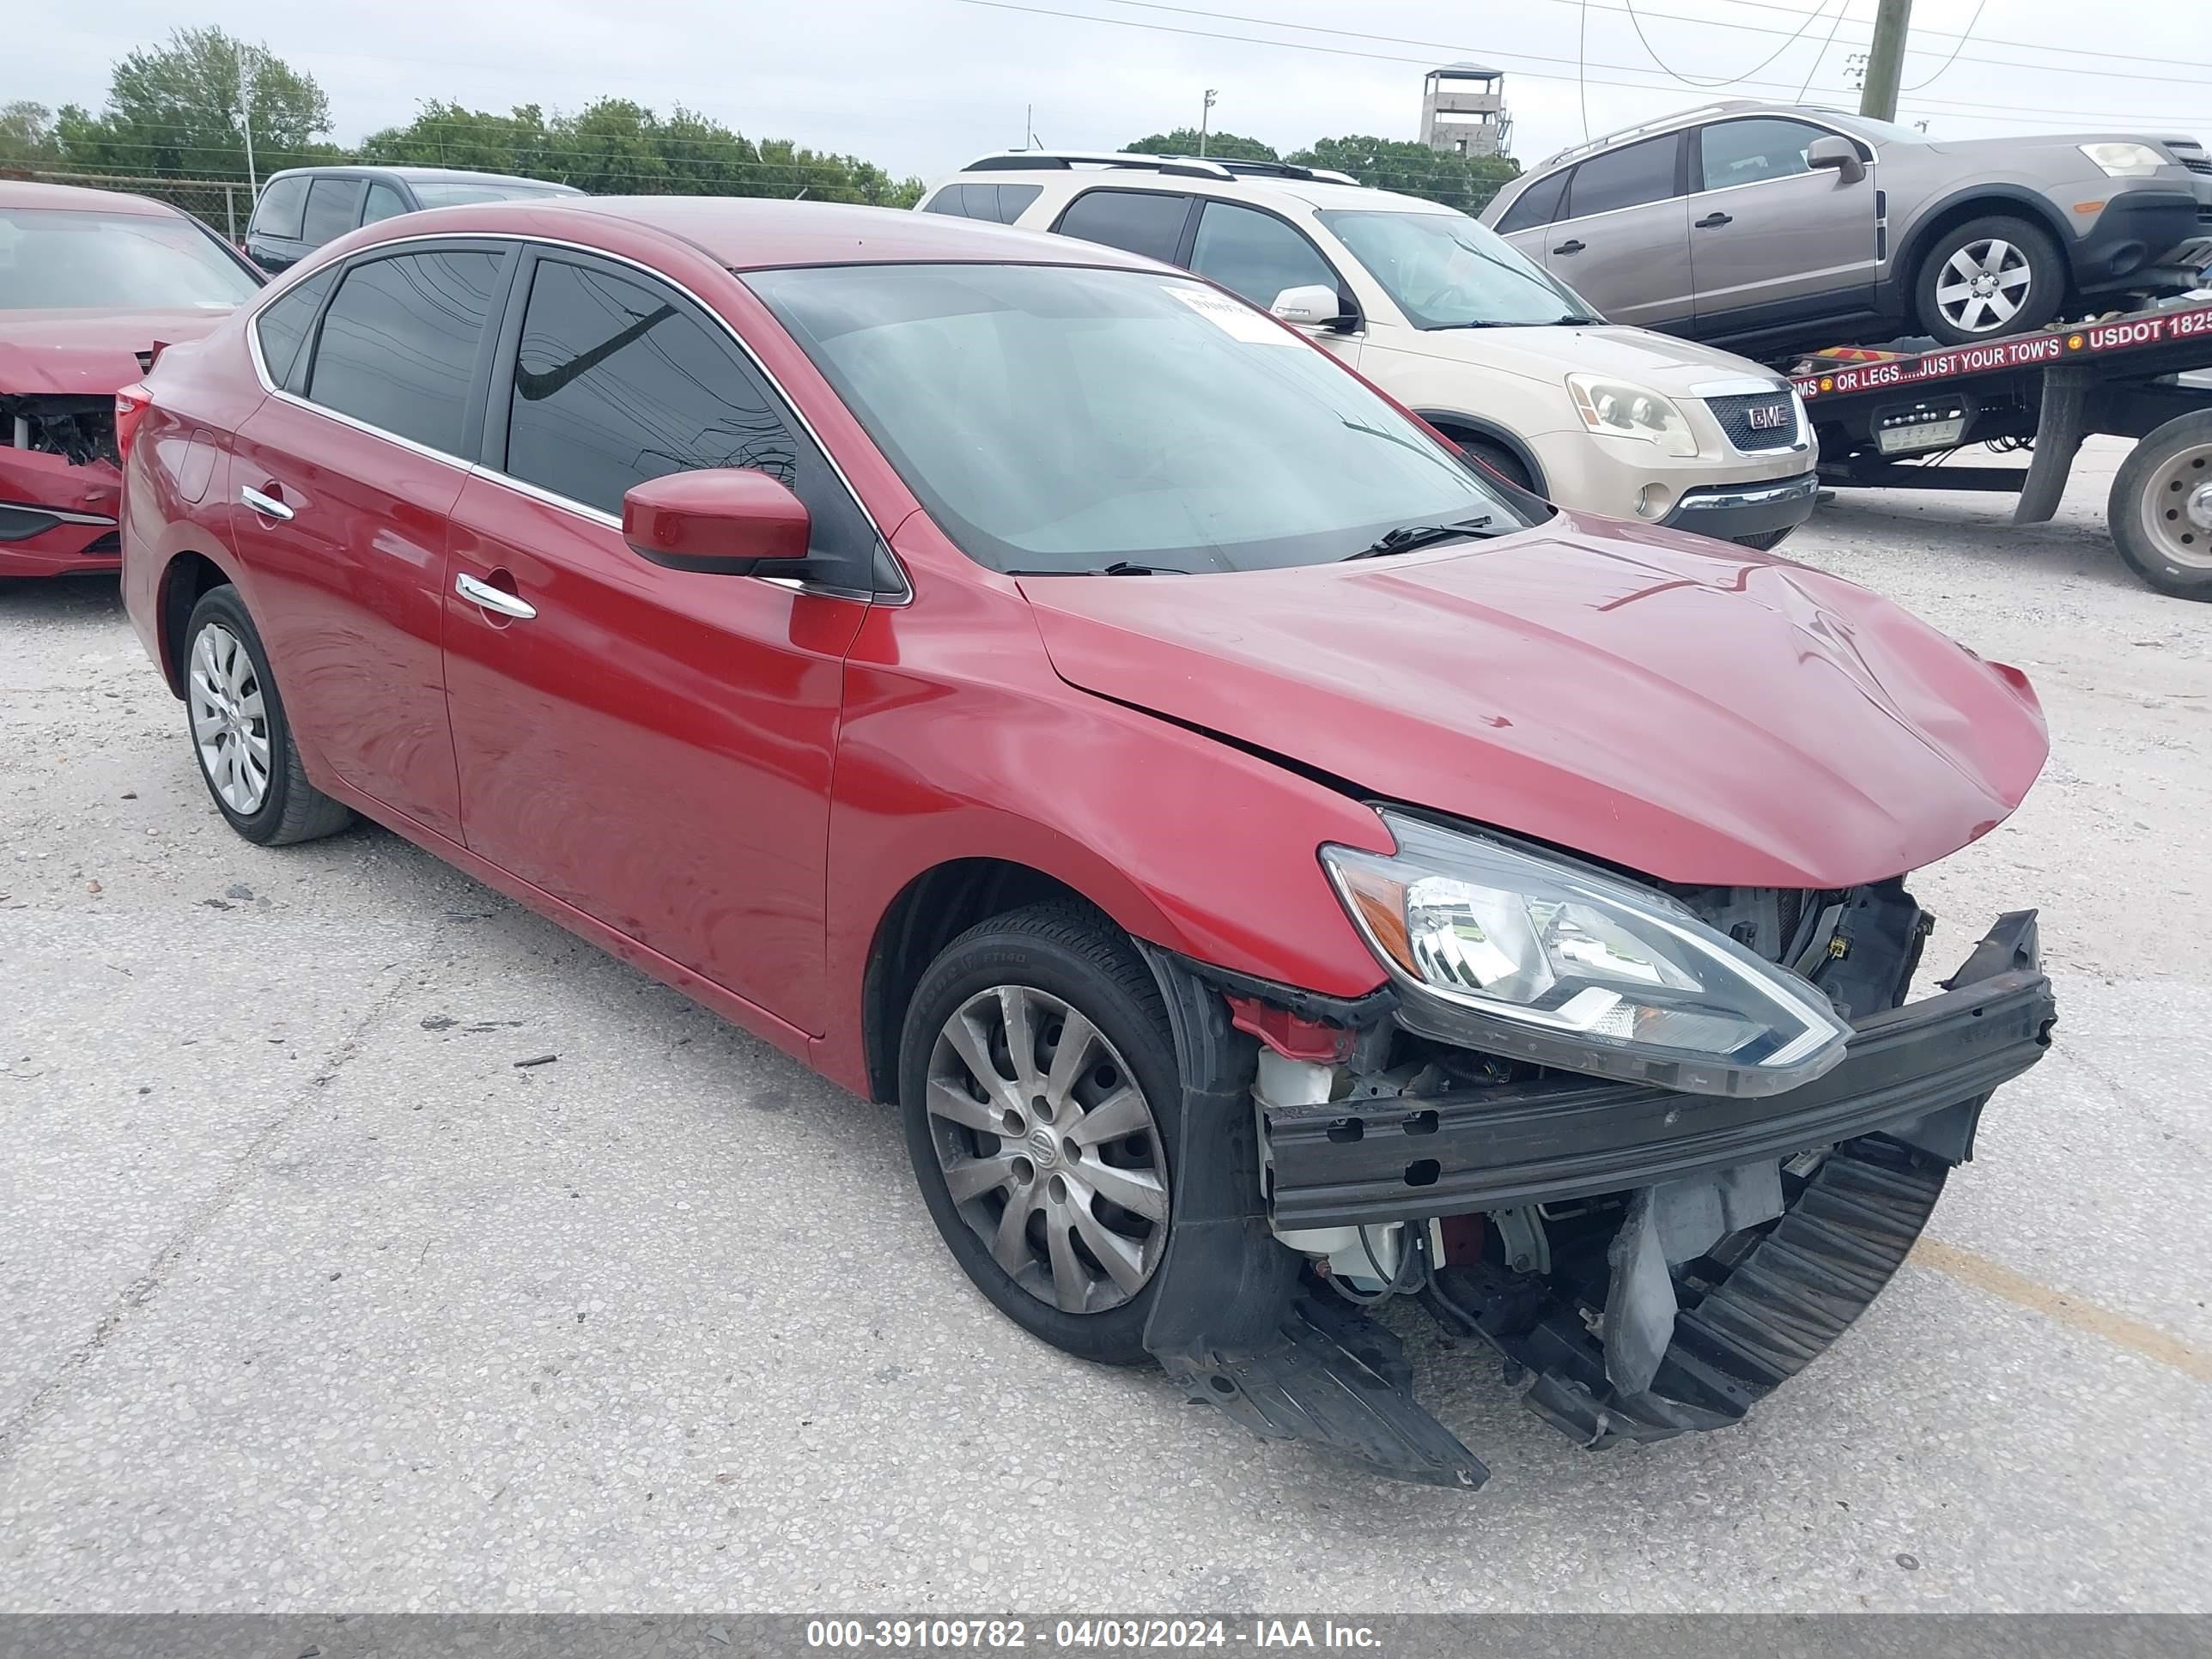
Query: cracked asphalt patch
(315, 1294)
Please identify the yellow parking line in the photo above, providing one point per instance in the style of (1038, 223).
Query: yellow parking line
(2118, 1329)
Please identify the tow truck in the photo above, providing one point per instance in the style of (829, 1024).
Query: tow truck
(1887, 416)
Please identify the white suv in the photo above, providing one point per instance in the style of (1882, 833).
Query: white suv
(1450, 320)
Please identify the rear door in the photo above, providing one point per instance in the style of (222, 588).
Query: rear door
(1257, 254)
(650, 746)
(1622, 236)
(1767, 231)
(1152, 222)
(333, 209)
(343, 480)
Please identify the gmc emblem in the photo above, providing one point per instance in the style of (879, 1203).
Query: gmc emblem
(1769, 418)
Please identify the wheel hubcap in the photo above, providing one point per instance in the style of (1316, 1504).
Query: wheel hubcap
(1984, 285)
(2178, 509)
(1048, 1148)
(230, 723)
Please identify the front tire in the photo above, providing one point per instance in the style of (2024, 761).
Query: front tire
(1040, 1092)
(1989, 278)
(239, 732)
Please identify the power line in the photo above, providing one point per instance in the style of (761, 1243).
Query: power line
(1938, 105)
(1840, 11)
(1979, 6)
(1628, 10)
(1811, 18)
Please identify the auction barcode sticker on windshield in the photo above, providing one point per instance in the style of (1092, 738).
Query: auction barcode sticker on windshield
(1232, 317)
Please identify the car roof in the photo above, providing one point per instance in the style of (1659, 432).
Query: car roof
(459, 175)
(1256, 188)
(75, 199)
(752, 233)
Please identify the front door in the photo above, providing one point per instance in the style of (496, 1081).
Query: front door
(1768, 230)
(1622, 241)
(343, 486)
(651, 746)
(1258, 255)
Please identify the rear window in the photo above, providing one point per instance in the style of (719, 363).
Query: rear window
(398, 343)
(999, 204)
(281, 206)
(1625, 178)
(52, 260)
(333, 209)
(1539, 205)
(1137, 221)
(447, 192)
(284, 323)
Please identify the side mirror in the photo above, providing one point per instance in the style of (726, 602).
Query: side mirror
(719, 521)
(1315, 307)
(1836, 155)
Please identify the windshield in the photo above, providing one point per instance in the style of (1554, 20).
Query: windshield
(1444, 271)
(1057, 420)
(53, 259)
(447, 192)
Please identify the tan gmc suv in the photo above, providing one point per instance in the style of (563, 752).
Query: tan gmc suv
(1450, 321)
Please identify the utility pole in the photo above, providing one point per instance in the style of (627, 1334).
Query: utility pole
(246, 117)
(1204, 110)
(1892, 21)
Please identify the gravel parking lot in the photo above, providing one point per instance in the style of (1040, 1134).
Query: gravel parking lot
(312, 1297)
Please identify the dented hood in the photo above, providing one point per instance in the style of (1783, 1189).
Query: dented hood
(1684, 708)
(87, 353)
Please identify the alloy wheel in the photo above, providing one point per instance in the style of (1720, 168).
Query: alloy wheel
(2177, 508)
(1984, 285)
(1048, 1148)
(230, 723)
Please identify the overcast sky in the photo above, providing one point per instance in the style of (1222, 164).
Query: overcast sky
(920, 86)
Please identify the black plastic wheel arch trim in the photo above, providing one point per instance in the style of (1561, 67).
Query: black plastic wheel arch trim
(1566, 1137)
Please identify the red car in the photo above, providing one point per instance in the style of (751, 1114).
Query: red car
(92, 284)
(1272, 866)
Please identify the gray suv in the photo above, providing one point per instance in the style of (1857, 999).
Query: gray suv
(1771, 227)
(303, 208)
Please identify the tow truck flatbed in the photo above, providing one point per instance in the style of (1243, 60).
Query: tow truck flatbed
(1884, 416)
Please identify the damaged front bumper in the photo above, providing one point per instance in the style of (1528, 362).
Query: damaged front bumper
(56, 517)
(1754, 1232)
(1919, 1073)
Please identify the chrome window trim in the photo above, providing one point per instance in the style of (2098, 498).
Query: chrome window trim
(904, 595)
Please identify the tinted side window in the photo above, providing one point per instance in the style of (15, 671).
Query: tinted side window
(283, 325)
(1255, 254)
(1137, 221)
(399, 345)
(1013, 199)
(1749, 152)
(1625, 178)
(333, 209)
(384, 202)
(278, 213)
(616, 383)
(953, 200)
(1539, 205)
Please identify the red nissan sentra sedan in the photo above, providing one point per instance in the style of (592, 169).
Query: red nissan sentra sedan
(1273, 867)
(92, 283)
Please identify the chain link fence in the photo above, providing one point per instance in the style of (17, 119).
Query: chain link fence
(223, 204)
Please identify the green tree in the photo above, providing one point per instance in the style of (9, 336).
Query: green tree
(449, 136)
(26, 134)
(1465, 182)
(1183, 141)
(176, 110)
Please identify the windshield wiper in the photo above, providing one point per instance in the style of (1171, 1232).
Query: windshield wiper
(1407, 537)
(1119, 568)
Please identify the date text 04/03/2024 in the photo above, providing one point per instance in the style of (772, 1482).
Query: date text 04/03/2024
(986, 1635)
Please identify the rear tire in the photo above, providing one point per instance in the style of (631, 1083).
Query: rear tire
(1022, 1170)
(239, 736)
(1989, 278)
(2160, 507)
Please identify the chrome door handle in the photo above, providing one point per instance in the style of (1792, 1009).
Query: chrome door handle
(267, 506)
(495, 600)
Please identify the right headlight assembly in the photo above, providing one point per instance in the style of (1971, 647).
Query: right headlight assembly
(1503, 949)
(1621, 409)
